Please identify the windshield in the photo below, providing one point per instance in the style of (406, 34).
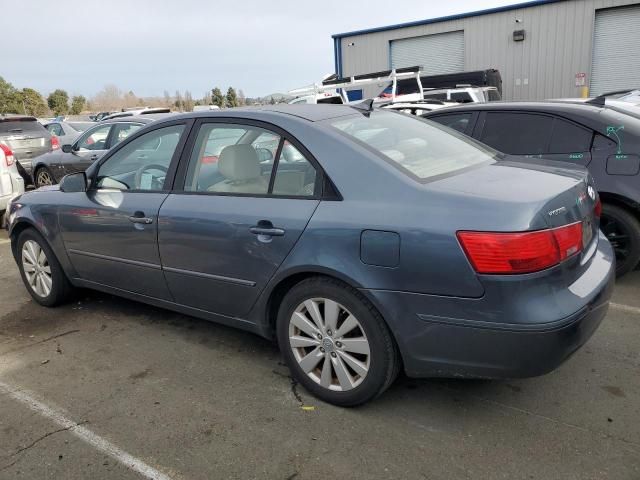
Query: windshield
(420, 148)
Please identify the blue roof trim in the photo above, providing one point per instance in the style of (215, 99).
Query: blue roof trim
(477, 13)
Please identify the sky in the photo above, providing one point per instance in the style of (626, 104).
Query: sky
(149, 46)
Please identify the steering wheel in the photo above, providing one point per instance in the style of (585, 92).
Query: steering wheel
(144, 168)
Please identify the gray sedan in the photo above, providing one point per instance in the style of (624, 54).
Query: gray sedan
(364, 241)
(79, 154)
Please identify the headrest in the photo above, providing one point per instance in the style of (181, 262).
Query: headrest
(239, 162)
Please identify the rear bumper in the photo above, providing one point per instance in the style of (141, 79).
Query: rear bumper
(435, 345)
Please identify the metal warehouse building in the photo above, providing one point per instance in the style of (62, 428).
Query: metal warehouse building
(543, 49)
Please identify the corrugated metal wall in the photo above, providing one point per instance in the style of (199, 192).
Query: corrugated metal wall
(558, 45)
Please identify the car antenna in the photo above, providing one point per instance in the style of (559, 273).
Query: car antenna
(366, 106)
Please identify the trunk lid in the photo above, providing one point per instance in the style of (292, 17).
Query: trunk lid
(519, 195)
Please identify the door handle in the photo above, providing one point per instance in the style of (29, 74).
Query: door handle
(93, 157)
(138, 217)
(266, 228)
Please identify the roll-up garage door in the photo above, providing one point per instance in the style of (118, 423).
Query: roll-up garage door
(616, 51)
(436, 54)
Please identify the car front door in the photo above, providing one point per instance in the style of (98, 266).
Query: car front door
(244, 199)
(110, 231)
(87, 149)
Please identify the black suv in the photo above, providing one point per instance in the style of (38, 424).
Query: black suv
(602, 138)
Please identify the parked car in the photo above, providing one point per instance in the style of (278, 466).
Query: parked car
(141, 111)
(78, 155)
(100, 116)
(417, 108)
(11, 183)
(27, 139)
(604, 139)
(67, 132)
(386, 242)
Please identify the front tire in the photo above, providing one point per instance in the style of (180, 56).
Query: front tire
(43, 177)
(41, 272)
(622, 229)
(335, 342)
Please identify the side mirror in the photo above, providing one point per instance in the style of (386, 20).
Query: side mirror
(67, 148)
(264, 154)
(74, 183)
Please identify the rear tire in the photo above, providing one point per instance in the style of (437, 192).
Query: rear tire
(336, 343)
(43, 177)
(622, 229)
(41, 272)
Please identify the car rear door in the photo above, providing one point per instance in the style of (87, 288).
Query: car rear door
(244, 195)
(110, 232)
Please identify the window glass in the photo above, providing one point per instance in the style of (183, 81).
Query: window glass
(423, 149)
(122, 131)
(228, 158)
(517, 133)
(295, 176)
(81, 126)
(459, 121)
(143, 163)
(55, 129)
(94, 140)
(569, 138)
(461, 97)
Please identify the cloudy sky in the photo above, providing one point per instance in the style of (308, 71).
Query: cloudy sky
(149, 46)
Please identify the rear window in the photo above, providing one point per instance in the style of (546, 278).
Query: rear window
(421, 149)
(21, 126)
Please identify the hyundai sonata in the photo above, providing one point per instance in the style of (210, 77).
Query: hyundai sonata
(365, 241)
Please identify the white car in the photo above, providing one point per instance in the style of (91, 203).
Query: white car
(418, 108)
(11, 183)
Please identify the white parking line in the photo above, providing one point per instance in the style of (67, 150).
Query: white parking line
(83, 433)
(4, 242)
(625, 308)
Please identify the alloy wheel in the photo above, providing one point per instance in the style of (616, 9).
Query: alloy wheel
(36, 268)
(618, 236)
(43, 178)
(329, 344)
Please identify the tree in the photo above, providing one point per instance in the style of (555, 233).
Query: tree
(232, 98)
(217, 98)
(272, 101)
(58, 102)
(109, 98)
(77, 104)
(242, 100)
(167, 99)
(179, 104)
(10, 101)
(33, 103)
(188, 102)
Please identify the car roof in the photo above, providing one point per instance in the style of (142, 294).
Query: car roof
(306, 111)
(546, 106)
(136, 118)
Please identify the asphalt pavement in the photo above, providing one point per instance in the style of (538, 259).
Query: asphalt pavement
(105, 388)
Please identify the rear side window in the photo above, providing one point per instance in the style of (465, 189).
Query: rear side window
(517, 133)
(55, 129)
(458, 121)
(569, 138)
(21, 126)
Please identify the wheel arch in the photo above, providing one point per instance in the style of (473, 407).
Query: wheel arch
(621, 201)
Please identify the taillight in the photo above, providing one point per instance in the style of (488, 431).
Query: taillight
(55, 143)
(523, 252)
(8, 155)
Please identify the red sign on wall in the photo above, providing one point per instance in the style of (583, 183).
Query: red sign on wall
(581, 79)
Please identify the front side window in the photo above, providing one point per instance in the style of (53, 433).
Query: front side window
(517, 133)
(422, 149)
(232, 159)
(95, 139)
(143, 163)
(55, 129)
(122, 131)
